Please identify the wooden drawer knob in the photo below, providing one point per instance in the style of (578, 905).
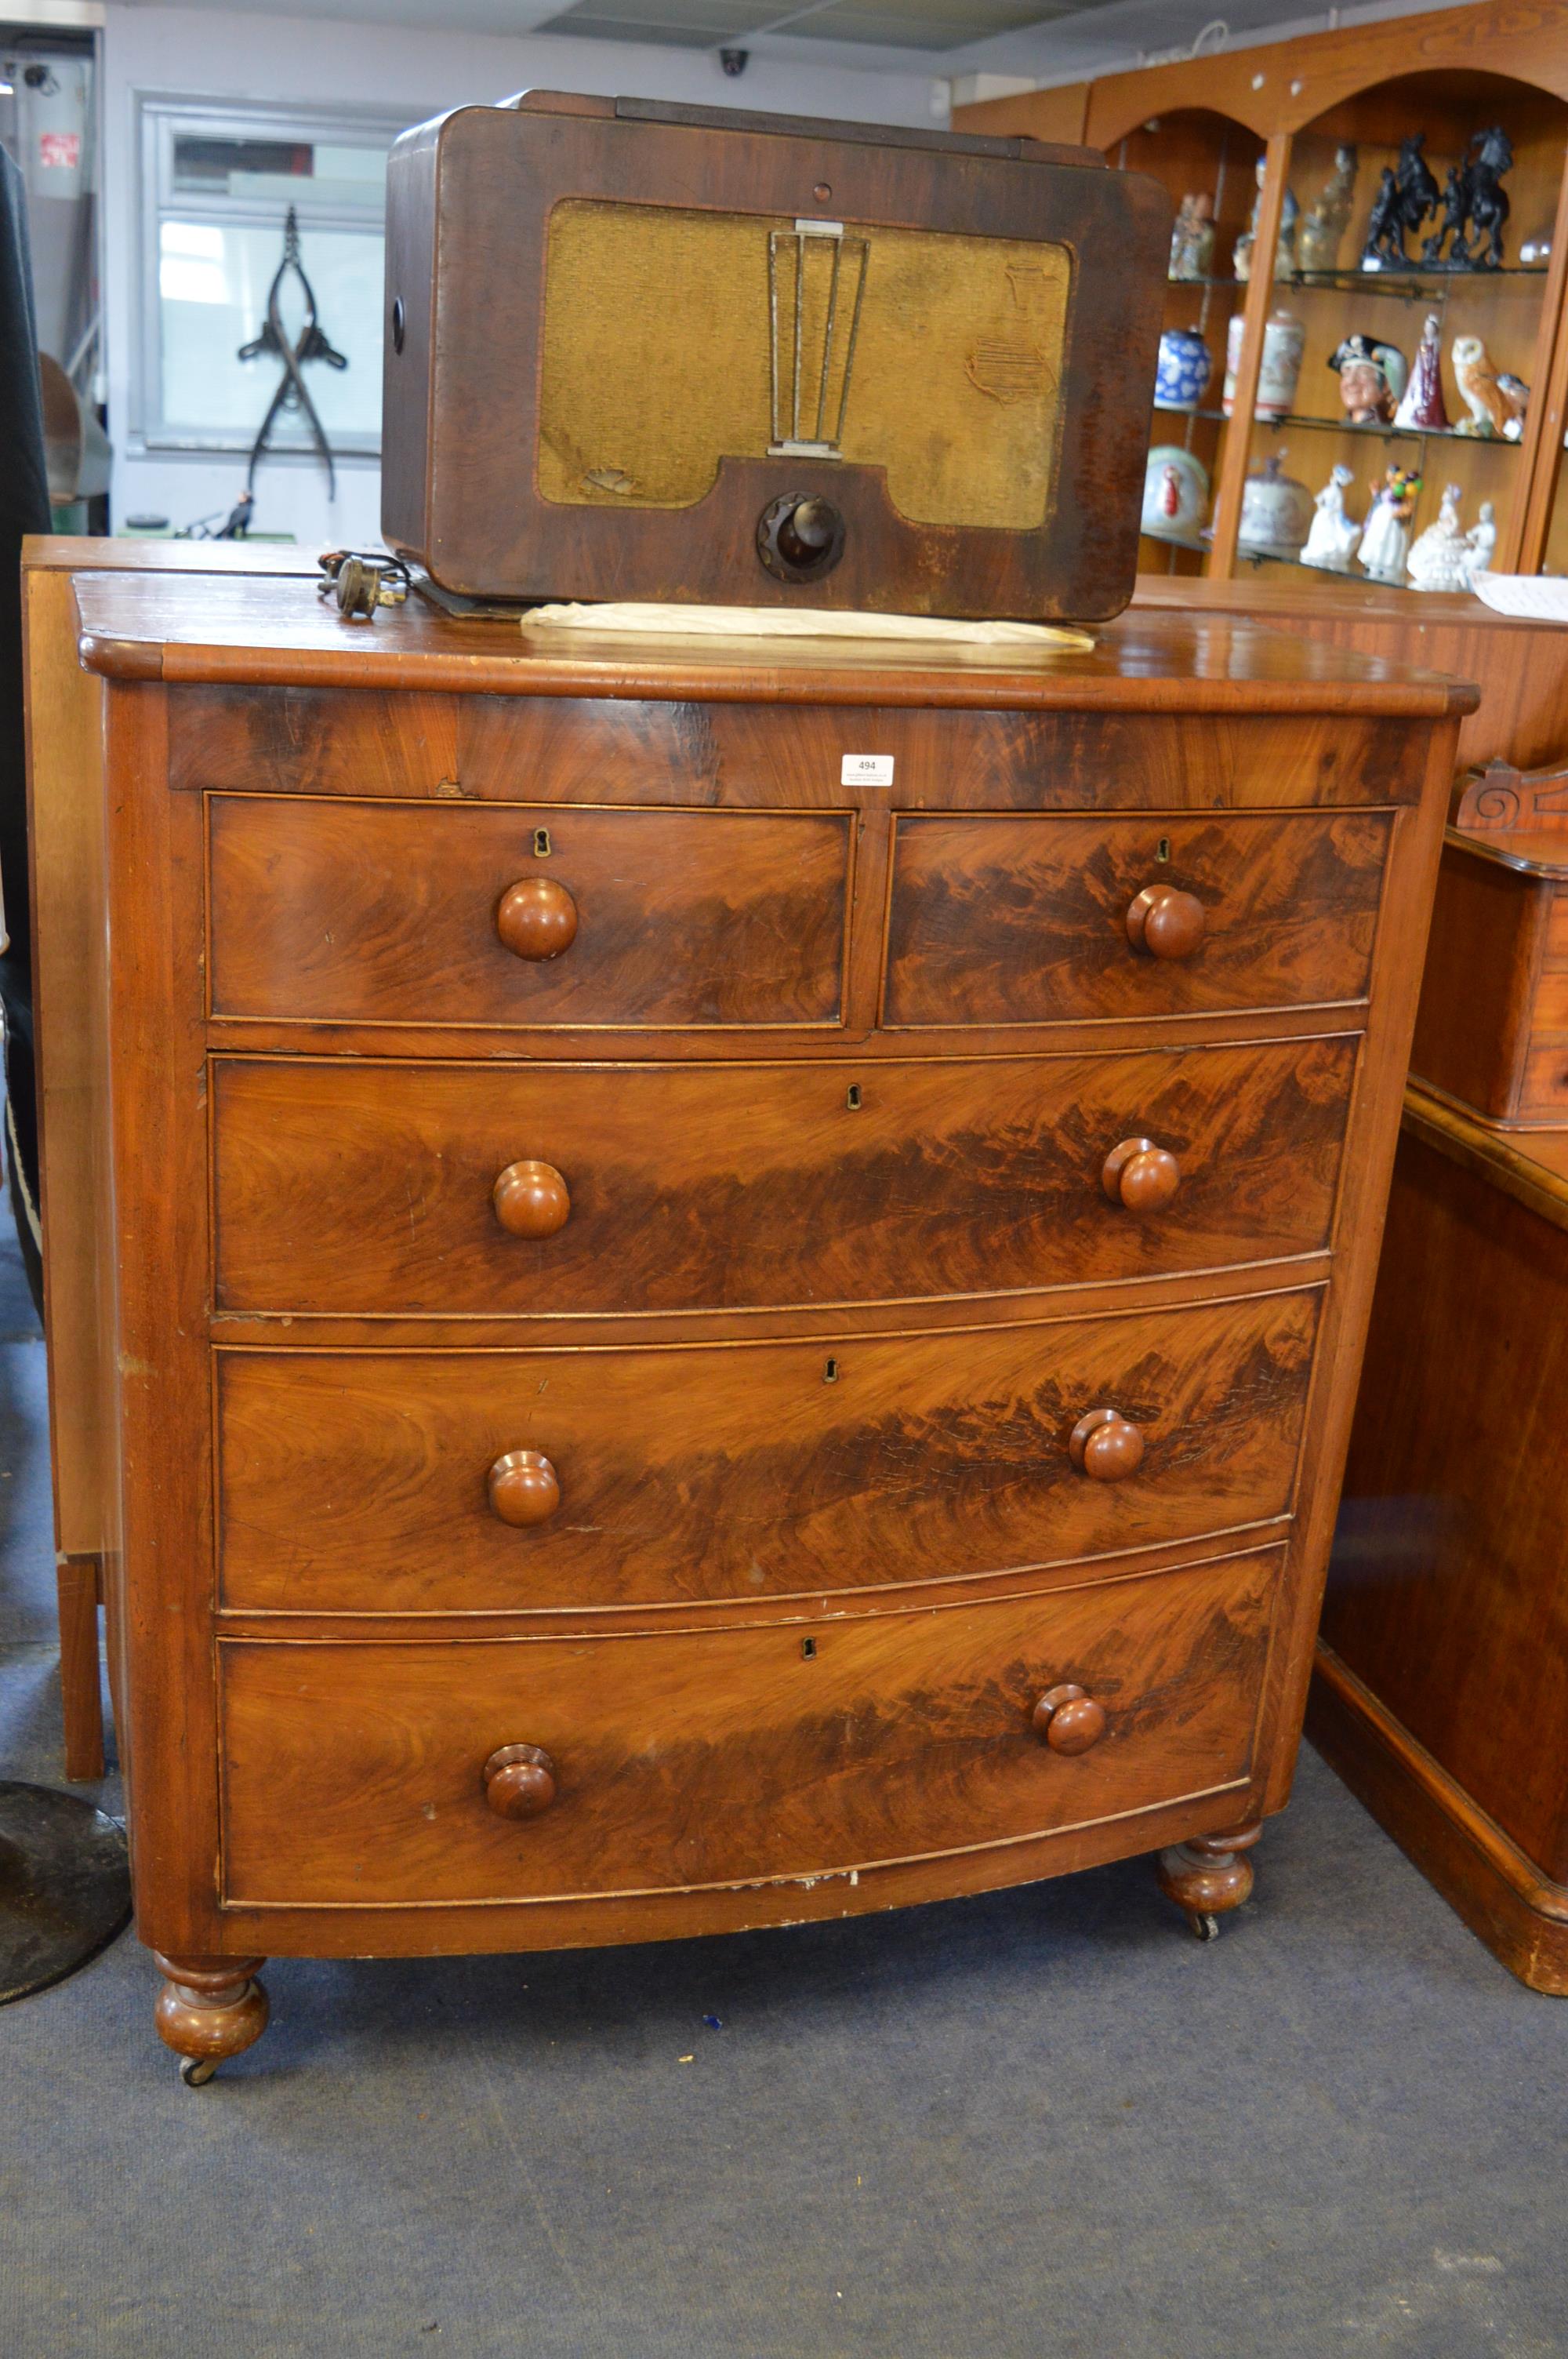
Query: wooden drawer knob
(519, 1781)
(1165, 922)
(1068, 1719)
(524, 1487)
(531, 1200)
(1140, 1174)
(537, 919)
(1105, 1446)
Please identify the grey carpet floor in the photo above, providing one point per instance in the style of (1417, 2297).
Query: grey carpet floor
(1047, 2125)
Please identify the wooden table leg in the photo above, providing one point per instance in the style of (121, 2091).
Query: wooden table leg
(78, 1579)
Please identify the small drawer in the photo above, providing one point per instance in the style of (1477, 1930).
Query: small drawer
(393, 1481)
(381, 1775)
(517, 914)
(435, 1189)
(1029, 919)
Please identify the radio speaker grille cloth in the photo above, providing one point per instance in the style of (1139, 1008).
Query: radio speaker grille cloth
(670, 343)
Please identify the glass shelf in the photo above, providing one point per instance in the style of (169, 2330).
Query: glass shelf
(1391, 433)
(1416, 279)
(1201, 542)
(1409, 285)
(1256, 556)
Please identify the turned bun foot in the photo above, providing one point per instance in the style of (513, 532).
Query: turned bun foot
(1209, 1877)
(208, 2008)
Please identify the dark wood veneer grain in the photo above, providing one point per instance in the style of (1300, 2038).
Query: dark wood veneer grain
(356, 1769)
(345, 1187)
(358, 1482)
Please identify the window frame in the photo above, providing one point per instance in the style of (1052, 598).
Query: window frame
(161, 119)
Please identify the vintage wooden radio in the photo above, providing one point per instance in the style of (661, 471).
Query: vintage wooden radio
(654, 351)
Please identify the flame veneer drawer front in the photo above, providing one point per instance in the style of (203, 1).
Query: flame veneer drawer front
(1006, 919)
(368, 1773)
(503, 1482)
(357, 1187)
(339, 911)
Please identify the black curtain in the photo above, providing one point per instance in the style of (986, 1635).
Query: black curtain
(24, 508)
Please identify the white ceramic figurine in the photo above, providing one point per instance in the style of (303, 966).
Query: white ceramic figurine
(1479, 542)
(1386, 542)
(1331, 543)
(1437, 561)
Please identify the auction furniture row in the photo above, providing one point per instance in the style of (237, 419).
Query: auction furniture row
(722, 1291)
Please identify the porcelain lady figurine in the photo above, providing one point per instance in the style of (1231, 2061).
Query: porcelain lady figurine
(1386, 542)
(1331, 543)
(1284, 340)
(1479, 543)
(1437, 561)
(1324, 224)
(1192, 238)
(1183, 371)
(1276, 511)
(1285, 245)
(1422, 404)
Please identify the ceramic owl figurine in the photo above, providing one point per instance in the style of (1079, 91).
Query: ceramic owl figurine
(1496, 404)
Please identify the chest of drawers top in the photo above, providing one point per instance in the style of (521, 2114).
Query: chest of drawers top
(226, 629)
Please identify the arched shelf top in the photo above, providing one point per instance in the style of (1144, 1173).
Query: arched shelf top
(1289, 86)
(1195, 122)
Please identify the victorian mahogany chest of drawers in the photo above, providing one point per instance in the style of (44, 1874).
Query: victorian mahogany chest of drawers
(729, 1289)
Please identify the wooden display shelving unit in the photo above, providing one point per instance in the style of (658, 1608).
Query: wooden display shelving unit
(1201, 124)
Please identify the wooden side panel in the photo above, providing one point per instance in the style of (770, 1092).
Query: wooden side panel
(1472, 1026)
(367, 1188)
(66, 819)
(387, 912)
(1359, 1226)
(356, 1483)
(1449, 1593)
(1000, 920)
(168, 1735)
(353, 1772)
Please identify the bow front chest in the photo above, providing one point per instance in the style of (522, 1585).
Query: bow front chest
(729, 1288)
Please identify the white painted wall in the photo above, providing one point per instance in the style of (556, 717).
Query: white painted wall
(192, 53)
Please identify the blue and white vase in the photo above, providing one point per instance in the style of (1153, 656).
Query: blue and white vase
(1185, 366)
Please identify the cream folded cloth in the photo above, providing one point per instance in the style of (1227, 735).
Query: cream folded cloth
(800, 623)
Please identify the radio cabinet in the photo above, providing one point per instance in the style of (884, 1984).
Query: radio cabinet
(650, 1342)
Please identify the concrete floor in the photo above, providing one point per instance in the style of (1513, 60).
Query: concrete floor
(1047, 2125)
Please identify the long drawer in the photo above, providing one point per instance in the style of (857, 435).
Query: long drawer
(1022, 918)
(362, 1483)
(401, 913)
(356, 1187)
(365, 1773)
